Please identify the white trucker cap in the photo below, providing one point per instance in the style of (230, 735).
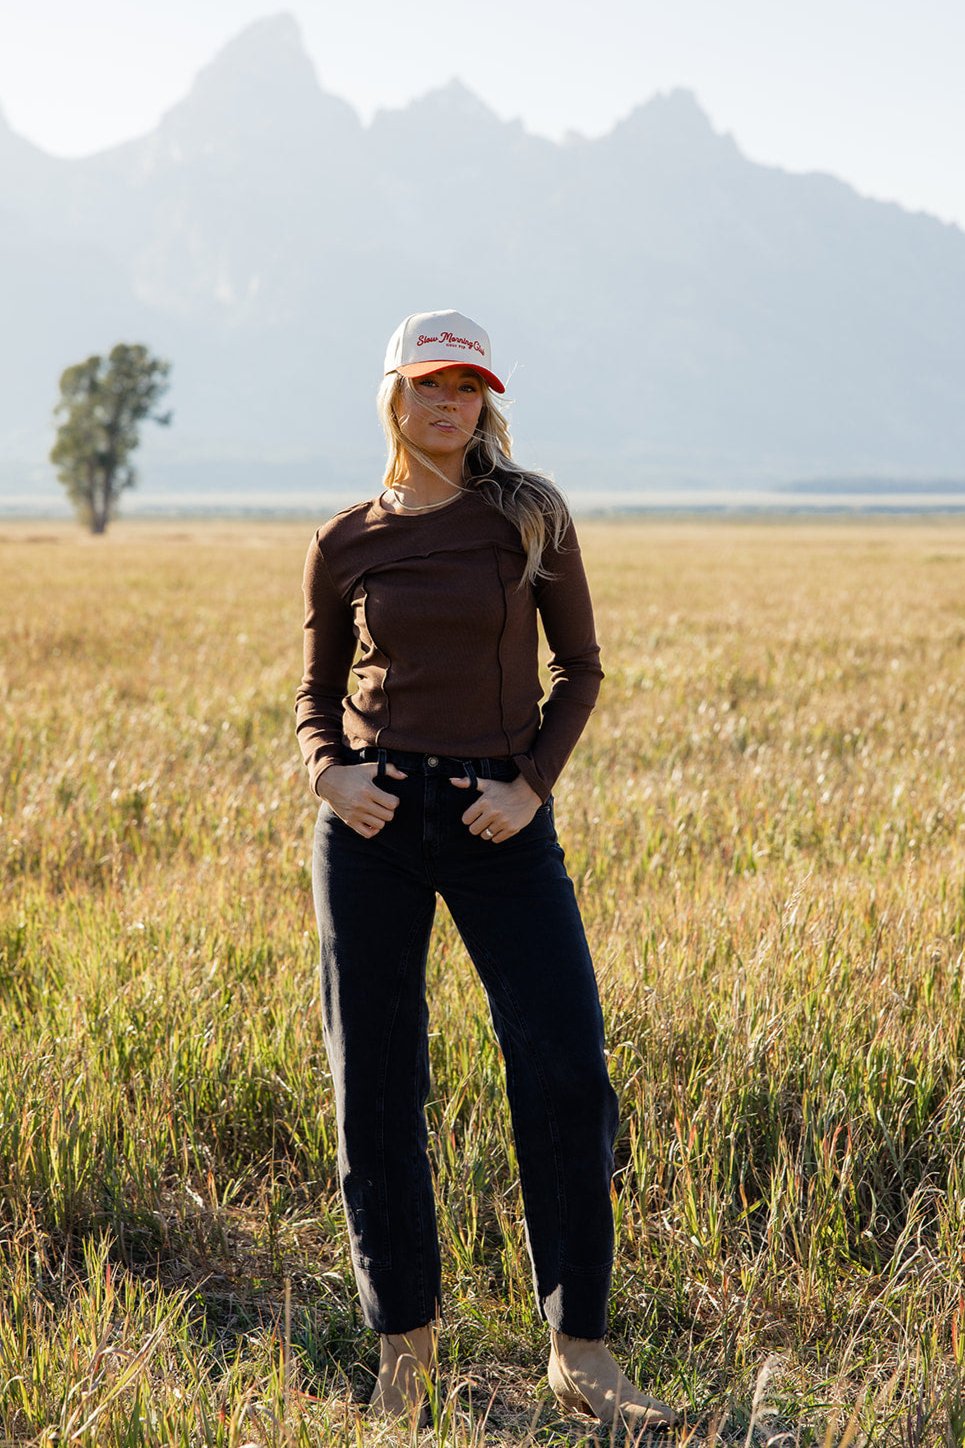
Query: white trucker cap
(427, 341)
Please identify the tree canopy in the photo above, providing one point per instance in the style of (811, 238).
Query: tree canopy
(102, 404)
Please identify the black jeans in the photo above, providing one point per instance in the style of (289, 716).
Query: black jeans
(514, 906)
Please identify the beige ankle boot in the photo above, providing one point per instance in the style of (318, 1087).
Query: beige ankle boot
(586, 1379)
(405, 1360)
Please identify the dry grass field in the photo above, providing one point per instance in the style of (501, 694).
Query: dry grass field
(766, 824)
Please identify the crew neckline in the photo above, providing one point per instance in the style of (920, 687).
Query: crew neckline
(420, 517)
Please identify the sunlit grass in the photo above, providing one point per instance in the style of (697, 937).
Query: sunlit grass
(765, 821)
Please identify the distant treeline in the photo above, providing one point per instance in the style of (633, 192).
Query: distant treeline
(875, 485)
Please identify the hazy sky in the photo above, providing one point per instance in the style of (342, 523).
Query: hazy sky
(870, 90)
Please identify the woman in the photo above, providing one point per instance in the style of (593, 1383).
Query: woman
(436, 776)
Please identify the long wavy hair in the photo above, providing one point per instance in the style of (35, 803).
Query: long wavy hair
(529, 500)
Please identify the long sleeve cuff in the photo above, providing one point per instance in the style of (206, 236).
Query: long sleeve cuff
(524, 763)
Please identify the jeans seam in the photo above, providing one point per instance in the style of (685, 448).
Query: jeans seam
(406, 954)
(473, 945)
(420, 1106)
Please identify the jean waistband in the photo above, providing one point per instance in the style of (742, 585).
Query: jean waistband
(447, 765)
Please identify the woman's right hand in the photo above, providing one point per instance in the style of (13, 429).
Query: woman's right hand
(351, 791)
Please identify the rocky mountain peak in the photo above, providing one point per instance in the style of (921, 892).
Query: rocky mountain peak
(265, 47)
(671, 120)
(260, 84)
(451, 103)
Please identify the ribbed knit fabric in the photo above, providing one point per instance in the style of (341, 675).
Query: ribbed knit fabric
(447, 641)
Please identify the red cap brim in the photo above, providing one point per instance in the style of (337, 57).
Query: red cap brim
(422, 369)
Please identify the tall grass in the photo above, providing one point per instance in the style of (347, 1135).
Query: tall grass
(765, 821)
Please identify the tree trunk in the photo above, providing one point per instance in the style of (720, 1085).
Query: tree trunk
(100, 506)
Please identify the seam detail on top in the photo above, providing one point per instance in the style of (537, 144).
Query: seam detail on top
(499, 649)
(388, 661)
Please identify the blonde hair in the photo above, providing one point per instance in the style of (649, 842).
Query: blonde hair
(529, 500)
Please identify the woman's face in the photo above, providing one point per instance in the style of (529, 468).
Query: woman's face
(438, 413)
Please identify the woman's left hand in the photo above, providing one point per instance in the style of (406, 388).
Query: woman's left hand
(506, 807)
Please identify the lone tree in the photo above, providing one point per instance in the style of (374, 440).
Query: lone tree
(103, 405)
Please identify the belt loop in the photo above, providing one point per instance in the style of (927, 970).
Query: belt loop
(470, 773)
(486, 768)
(382, 756)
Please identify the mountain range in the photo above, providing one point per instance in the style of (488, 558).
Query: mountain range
(671, 311)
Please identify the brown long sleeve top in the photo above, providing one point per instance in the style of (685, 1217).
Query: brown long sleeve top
(446, 640)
